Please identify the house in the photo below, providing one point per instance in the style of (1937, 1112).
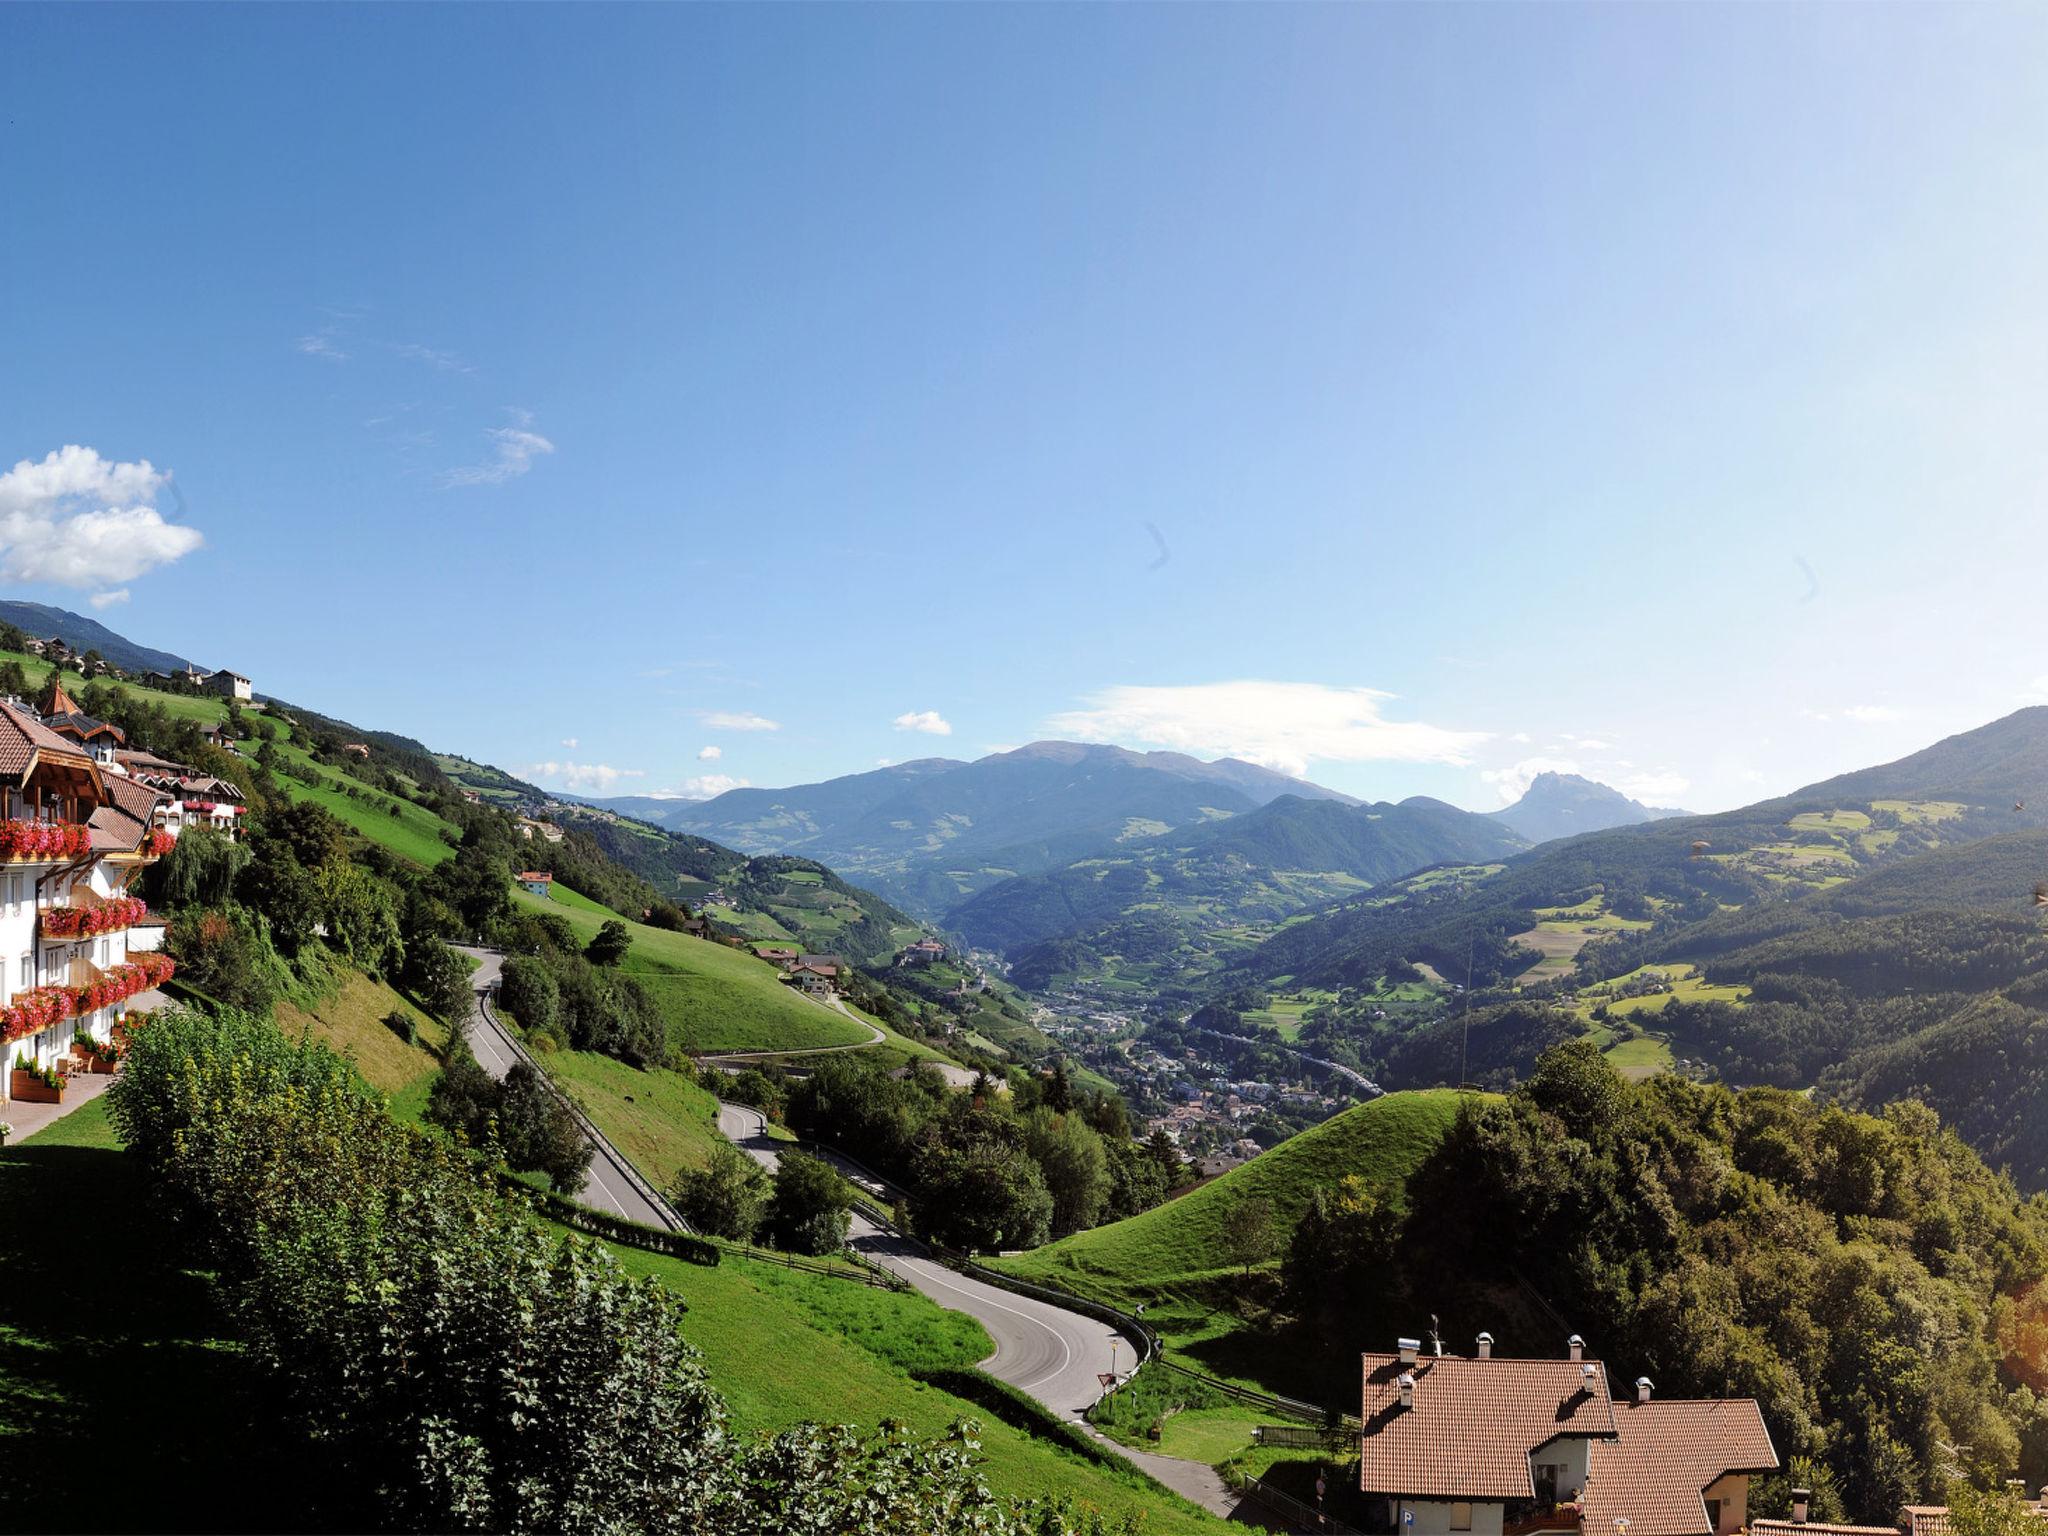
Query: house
(775, 954)
(1480, 1443)
(357, 749)
(159, 681)
(818, 980)
(232, 685)
(536, 882)
(96, 737)
(923, 952)
(73, 838)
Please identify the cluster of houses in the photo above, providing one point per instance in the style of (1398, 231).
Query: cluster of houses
(923, 952)
(816, 974)
(223, 684)
(1498, 1446)
(76, 829)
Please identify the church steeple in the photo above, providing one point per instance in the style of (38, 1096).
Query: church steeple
(55, 701)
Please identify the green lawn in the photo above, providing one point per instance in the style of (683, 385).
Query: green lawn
(351, 1020)
(663, 1122)
(1170, 1258)
(125, 1404)
(784, 1347)
(715, 998)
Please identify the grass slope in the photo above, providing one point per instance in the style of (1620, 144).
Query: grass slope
(350, 1020)
(1172, 1249)
(663, 1122)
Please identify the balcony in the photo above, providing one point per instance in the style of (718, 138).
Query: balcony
(43, 842)
(1540, 1520)
(90, 918)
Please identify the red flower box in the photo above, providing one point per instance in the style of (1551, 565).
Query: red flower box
(90, 922)
(45, 840)
(160, 843)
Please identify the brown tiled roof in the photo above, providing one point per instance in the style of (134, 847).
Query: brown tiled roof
(1474, 1423)
(1656, 1473)
(526, 875)
(1924, 1519)
(1815, 1528)
(121, 826)
(22, 736)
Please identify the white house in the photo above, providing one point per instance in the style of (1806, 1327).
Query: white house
(72, 840)
(536, 882)
(1488, 1445)
(229, 685)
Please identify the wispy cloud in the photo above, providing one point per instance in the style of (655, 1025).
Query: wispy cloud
(513, 450)
(710, 754)
(79, 520)
(570, 742)
(737, 720)
(1873, 714)
(1285, 726)
(929, 721)
(446, 362)
(580, 778)
(104, 600)
(321, 343)
(704, 787)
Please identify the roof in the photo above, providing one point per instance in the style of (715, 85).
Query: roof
(83, 724)
(121, 826)
(1474, 1423)
(23, 738)
(1815, 1528)
(1668, 1450)
(1925, 1519)
(535, 874)
(136, 761)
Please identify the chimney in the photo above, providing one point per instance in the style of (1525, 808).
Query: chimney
(1407, 1389)
(1642, 1389)
(1586, 1374)
(1801, 1497)
(1409, 1349)
(1577, 1346)
(1486, 1346)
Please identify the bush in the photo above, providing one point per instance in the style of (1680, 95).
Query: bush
(812, 1206)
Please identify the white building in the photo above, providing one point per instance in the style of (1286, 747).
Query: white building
(229, 685)
(73, 838)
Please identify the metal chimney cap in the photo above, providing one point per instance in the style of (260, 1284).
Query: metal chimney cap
(1575, 1339)
(1586, 1371)
(1408, 1343)
(1485, 1338)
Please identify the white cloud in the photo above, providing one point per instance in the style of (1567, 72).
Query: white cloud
(737, 720)
(1588, 744)
(569, 742)
(1285, 726)
(710, 754)
(926, 720)
(1658, 786)
(581, 778)
(104, 600)
(885, 762)
(1873, 714)
(321, 344)
(513, 450)
(78, 520)
(704, 787)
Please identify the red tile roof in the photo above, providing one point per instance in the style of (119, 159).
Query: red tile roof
(1474, 1423)
(1925, 1519)
(1816, 1528)
(1656, 1473)
(23, 736)
(534, 874)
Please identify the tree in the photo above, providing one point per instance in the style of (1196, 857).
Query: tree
(356, 907)
(1059, 1089)
(527, 989)
(440, 980)
(537, 1132)
(1075, 1168)
(1247, 1231)
(1340, 1254)
(609, 946)
(811, 1208)
(727, 1197)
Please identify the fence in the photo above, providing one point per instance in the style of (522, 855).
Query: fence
(842, 1266)
(1297, 1515)
(1294, 1437)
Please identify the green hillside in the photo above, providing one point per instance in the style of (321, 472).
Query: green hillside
(1171, 1257)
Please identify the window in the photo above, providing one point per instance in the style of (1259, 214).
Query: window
(1714, 1514)
(1461, 1517)
(1547, 1475)
(14, 889)
(28, 968)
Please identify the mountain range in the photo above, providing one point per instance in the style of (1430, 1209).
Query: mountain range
(1565, 804)
(83, 634)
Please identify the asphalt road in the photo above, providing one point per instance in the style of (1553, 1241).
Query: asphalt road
(606, 1186)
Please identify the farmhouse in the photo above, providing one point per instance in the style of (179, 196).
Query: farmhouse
(776, 954)
(536, 882)
(814, 977)
(231, 685)
(1484, 1444)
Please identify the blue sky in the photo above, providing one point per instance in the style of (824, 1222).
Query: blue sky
(648, 398)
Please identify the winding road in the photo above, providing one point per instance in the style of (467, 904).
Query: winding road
(1047, 1352)
(612, 1183)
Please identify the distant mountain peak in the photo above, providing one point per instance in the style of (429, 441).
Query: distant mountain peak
(1566, 804)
